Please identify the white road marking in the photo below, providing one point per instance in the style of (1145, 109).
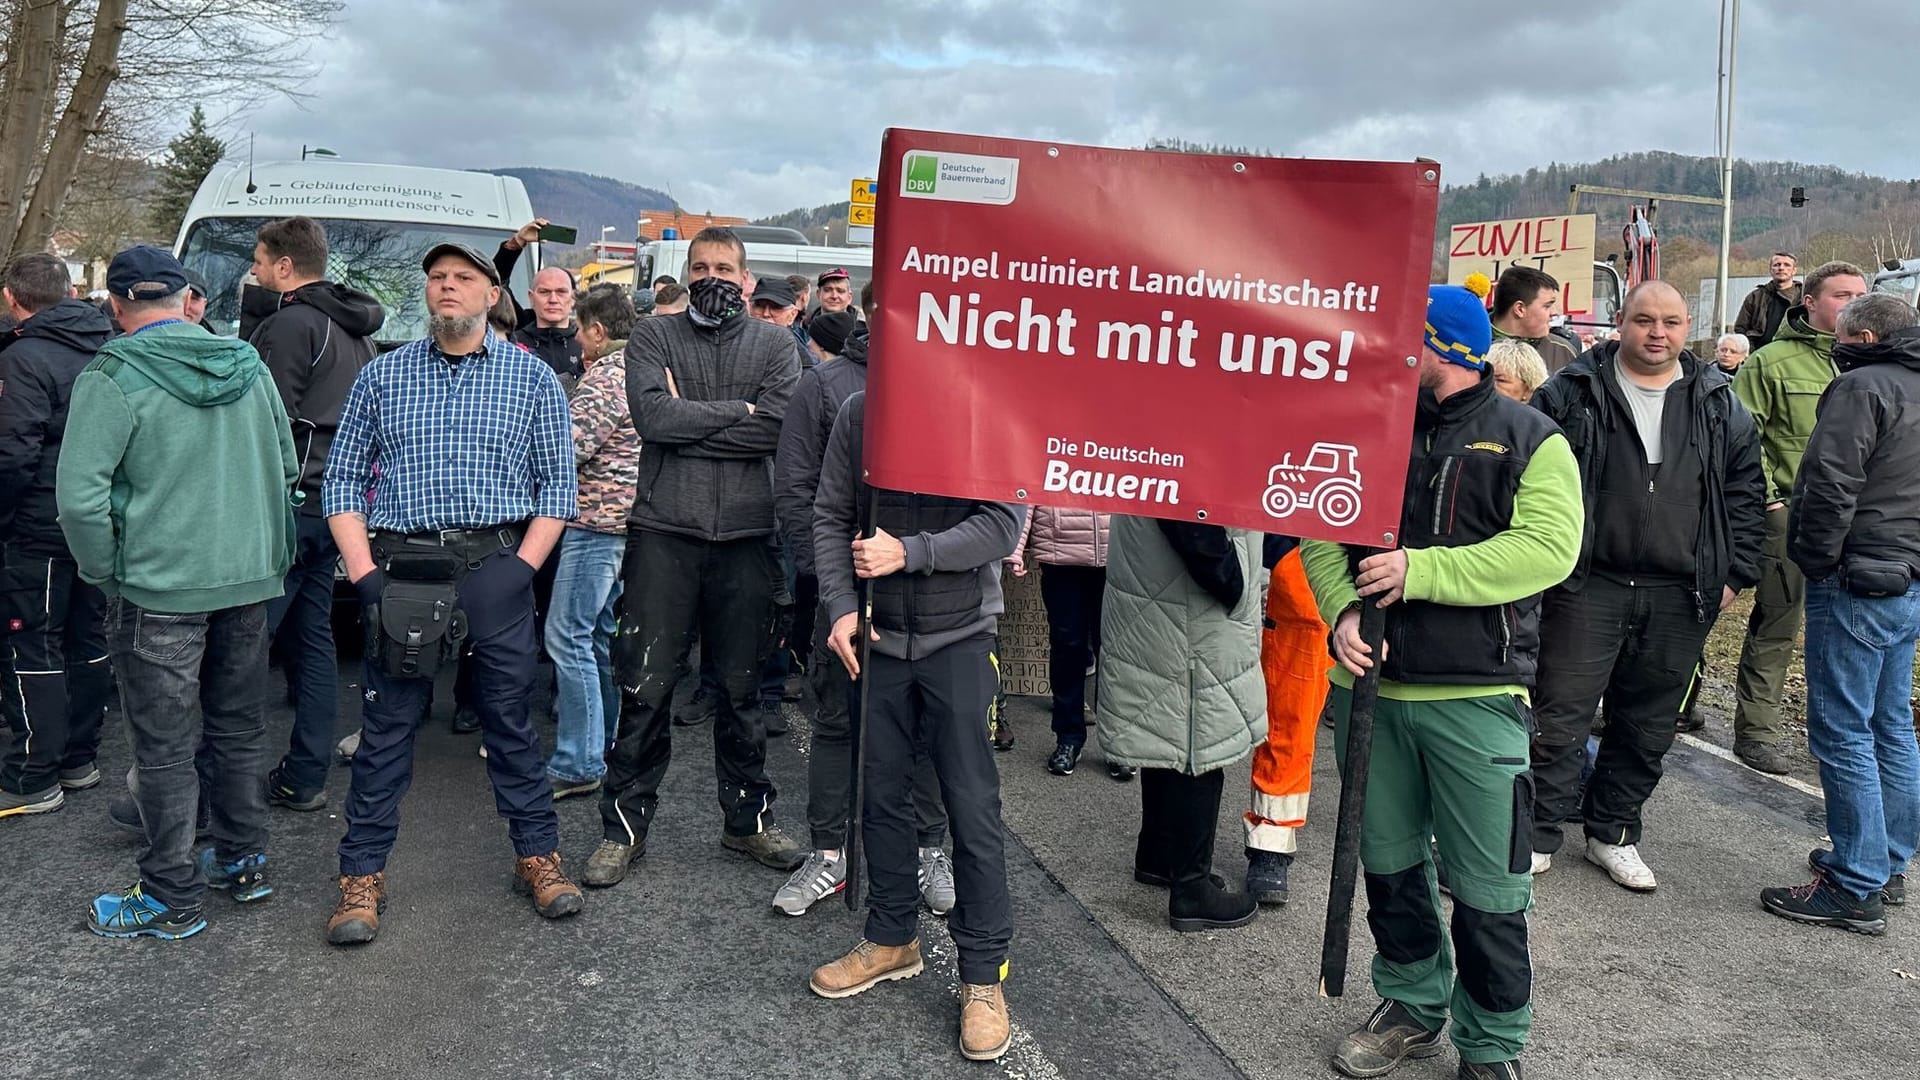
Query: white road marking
(1727, 755)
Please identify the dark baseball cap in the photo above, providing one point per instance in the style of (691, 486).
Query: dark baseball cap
(481, 262)
(835, 274)
(145, 273)
(197, 283)
(831, 330)
(773, 290)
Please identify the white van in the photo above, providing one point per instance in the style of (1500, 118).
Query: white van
(669, 257)
(380, 221)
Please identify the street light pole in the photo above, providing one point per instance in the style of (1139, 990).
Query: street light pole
(1726, 172)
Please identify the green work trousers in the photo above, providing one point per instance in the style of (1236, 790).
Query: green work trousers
(1456, 772)
(1771, 632)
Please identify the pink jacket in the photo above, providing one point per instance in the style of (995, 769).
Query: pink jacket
(1062, 538)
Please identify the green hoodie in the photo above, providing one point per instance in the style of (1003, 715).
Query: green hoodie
(174, 478)
(1781, 386)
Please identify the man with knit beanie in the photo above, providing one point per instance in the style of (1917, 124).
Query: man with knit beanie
(1450, 737)
(188, 566)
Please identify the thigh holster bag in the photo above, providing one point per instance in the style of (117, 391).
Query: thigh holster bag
(418, 625)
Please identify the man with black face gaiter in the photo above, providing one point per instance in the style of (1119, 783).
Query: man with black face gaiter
(708, 389)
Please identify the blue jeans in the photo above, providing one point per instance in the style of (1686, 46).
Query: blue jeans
(305, 611)
(1860, 728)
(580, 625)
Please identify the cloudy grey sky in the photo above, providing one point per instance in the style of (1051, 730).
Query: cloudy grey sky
(757, 106)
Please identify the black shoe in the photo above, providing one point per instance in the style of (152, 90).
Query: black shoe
(281, 793)
(1267, 876)
(795, 687)
(1489, 1070)
(1391, 1035)
(1820, 903)
(1207, 905)
(1065, 758)
(1893, 895)
(698, 711)
(776, 719)
(465, 721)
(1687, 722)
(1002, 733)
(125, 816)
(1120, 773)
(1764, 757)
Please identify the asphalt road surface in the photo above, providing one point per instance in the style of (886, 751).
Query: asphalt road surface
(686, 971)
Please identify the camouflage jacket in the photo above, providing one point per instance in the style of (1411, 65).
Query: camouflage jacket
(606, 449)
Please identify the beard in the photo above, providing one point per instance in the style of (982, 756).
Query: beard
(455, 327)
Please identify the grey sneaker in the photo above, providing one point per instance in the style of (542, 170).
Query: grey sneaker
(1391, 1035)
(346, 748)
(609, 862)
(770, 846)
(818, 878)
(79, 778)
(40, 802)
(936, 880)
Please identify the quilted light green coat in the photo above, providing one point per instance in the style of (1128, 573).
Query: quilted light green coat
(1179, 680)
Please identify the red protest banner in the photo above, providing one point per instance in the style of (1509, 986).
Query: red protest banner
(1240, 357)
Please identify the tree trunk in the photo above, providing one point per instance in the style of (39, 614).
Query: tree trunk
(78, 123)
(31, 64)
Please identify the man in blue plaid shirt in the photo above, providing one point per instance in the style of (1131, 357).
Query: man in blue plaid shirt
(457, 448)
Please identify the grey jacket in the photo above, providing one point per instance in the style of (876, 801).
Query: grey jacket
(974, 545)
(1180, 680)
(816, 402)
(706, 462)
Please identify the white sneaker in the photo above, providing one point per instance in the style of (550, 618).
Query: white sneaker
(1542, 862)
(347, 747)
(1622, 863)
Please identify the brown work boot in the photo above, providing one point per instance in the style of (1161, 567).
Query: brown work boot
(985, 1030)
(357, 919)
(540, 876)
(866, 966)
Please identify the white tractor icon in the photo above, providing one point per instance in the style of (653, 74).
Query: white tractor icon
(1327, 482)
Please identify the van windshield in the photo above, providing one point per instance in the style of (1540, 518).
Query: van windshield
(381, 258)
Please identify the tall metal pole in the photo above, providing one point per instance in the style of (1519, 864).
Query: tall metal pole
(1726, 174)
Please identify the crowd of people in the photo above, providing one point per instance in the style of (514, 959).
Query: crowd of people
(1575, 518)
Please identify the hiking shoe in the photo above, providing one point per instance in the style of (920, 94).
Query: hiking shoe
(245, 879)
(818, 878)
(1391, 1035)
(346, 748)
(985, 1029)
(1002, 732)
(1622, 863)
(1895, 894)
(465, 721)
(699, 710)
(43, 802)
(936, 880)
(1065, 758)
(1120, 773)
(1764, 757)
(357, 918)
(770, 846)
(1489, 1070)
(608, 864)
(540, 876)
(567, 789)
(1820, 903)
(134, 914)
(866, 967)
(1687, 723)
(282, 793)
(80, 777)
(1267, 876)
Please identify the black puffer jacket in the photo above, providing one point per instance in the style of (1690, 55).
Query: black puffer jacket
(823, 388)
(314, 339)
(39, 360)
(1857, 493)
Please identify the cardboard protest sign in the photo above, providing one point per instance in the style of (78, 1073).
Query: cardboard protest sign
(1247, 360)
(1561, 245)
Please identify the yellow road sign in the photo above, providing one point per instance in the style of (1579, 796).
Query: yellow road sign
(859, 215)
(865, 193)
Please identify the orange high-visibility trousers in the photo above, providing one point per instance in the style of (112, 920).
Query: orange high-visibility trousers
(1293, 657)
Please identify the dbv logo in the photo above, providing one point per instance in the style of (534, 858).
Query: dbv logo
(923, 172)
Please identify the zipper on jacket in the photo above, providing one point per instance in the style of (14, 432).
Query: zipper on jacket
(1506, 634)
(1440, 491)
(1193, 695)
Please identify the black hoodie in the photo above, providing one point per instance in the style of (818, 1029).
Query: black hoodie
(823, 388)
(39, 360)
(1856, 492)
(315, 340)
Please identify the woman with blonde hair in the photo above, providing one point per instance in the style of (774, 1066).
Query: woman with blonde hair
(1517, 367)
